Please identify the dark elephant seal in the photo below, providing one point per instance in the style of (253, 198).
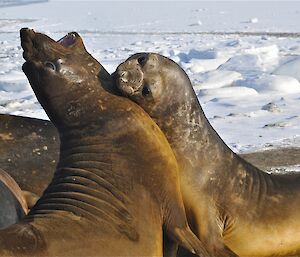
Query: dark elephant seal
(28, 151)
(116, 182)
(232, 206)
(13, 201)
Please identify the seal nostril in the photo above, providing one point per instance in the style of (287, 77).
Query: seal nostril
(142, 60)
(146, 91)
(124, 76)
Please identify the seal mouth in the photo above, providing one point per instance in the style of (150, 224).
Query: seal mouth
(69, 39)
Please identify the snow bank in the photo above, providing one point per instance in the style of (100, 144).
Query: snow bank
(230, 92)
(244, 63)
(217, 79)
(267, 55)
(15, 81)
(197, 66)
(272, 83)
(198, 61)
(198, 54)
(290, 68)
(255, 59)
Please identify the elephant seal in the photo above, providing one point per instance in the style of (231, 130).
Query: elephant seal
(232, 206)
(116, 183)
(13, 201)
(29, 150)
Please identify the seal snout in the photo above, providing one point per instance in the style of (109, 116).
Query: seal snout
(27, 36)
(130, 79)
(132, 76)
(124, 76)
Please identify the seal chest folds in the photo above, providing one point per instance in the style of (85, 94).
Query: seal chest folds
(233, 207)
(106, 198)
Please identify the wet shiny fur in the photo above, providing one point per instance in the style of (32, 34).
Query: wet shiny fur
(116, 183)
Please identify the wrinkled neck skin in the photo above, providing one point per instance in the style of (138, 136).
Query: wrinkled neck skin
(86, 182)
(86, 185)
(96, 193)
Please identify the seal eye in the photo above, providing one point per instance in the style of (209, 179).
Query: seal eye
(146, 91)
(142, 60)
(55, 66)
(50, 65)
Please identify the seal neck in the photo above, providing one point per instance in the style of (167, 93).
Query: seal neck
(196, 144)
(87, 184)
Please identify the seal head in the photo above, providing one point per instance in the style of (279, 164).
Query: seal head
(146, 78)
(55, 76)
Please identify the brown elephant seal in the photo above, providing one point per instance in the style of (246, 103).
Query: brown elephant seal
(232, 206)
(28, 151)
(116, 184)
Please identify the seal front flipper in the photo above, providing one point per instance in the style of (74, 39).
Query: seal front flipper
(187, 239)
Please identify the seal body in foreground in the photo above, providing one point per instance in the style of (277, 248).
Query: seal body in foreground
(116, 184)
(232, 206)
(28, 151)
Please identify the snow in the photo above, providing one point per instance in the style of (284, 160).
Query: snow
(285, 169)
(217, 79)
(290, 68)
(243, 58)
(254, 20)
(267, 83)
(6, 3)
(231, 92)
